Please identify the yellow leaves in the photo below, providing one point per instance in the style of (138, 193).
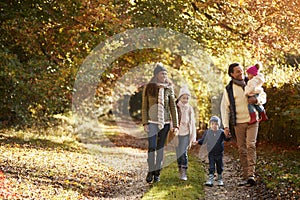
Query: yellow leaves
(280, 76)
(73, 184)
(132, 2)
(40, 168)
(285, 176)
(6, 190)
(61, 30)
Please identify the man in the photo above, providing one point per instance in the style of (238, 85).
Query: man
(234, 111)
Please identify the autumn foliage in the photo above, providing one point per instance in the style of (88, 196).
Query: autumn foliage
(44, 43)
(6, 190)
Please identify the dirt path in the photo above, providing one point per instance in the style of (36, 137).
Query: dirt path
(136, 186)
(134, 162)
(231, 190)
(122, 153)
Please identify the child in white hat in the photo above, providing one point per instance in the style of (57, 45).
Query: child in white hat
(186, 132)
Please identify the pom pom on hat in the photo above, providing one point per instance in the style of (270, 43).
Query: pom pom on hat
(158, 68)
(215, 119)
(184, 90)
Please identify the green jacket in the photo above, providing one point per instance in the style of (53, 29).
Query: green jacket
(149, 107)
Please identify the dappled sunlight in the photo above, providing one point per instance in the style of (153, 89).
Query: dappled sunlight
(158, 194)
(50, 171)
(72, 74)
(116, 150)
(171, 187)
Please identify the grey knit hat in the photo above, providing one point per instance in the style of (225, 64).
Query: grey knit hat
(215, 119)
(158, 68)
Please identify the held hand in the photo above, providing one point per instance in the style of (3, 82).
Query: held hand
(146, 128)
(227, 132)
(195, 143)
(252, 100)
(175, 130)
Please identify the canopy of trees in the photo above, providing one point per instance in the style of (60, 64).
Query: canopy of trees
(43, 43)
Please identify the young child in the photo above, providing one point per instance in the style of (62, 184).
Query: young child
(187, 130)
(253, 88)
(214, 138)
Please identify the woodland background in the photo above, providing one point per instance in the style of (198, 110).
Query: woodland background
(44, 42)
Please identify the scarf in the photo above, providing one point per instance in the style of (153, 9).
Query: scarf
(241, 83)
(161, 106)
(184, 112)
(187, 116)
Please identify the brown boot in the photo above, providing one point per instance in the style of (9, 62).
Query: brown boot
(263, 116)
(253, 118)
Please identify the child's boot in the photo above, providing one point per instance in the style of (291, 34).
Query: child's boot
(263, 116)
(220, 180)
(253, 118)
(179, 172)
(156, 176)
(210, 181)
(183, 174)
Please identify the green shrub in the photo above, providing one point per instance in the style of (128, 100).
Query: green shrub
(284, 113)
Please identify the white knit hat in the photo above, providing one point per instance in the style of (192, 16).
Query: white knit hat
(184, 90)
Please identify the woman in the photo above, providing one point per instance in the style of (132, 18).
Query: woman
(158, 109)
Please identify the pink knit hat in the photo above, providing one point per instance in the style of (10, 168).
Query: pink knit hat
(252, 70)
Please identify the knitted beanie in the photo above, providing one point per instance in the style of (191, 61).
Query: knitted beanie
(254, 69)
(215, 119)
(184, 90)
(158, 68)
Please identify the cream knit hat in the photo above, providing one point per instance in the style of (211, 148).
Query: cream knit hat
(184, 90)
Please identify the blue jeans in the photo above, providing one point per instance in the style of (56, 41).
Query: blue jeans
(156, 143)
(181, 151)
(215, 160)
(253, 107)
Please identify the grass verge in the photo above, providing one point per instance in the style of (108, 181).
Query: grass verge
(171, 187)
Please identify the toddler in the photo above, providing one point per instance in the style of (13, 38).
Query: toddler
(254, 88)
(214, 138)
